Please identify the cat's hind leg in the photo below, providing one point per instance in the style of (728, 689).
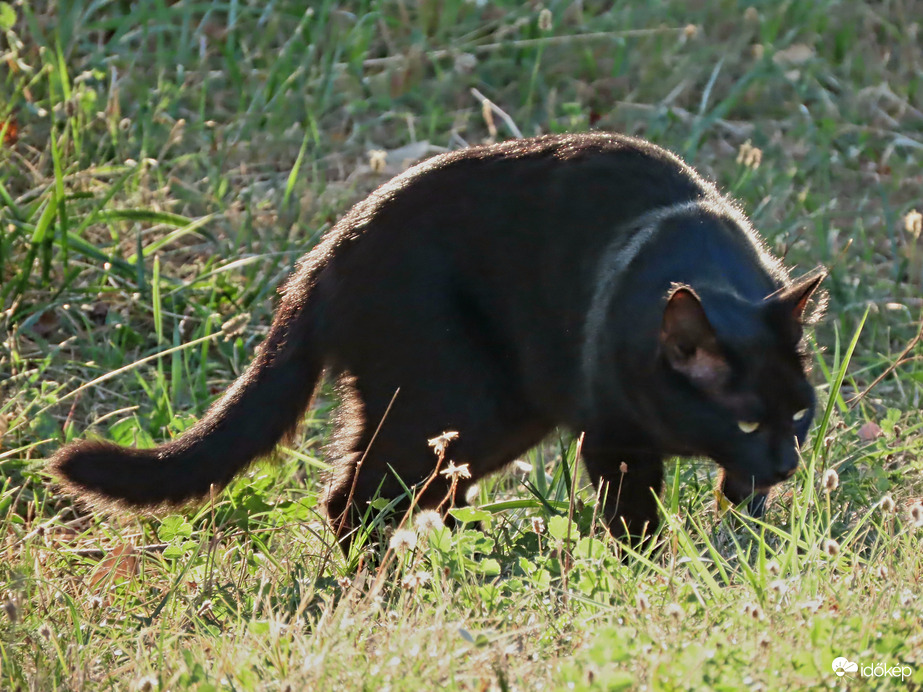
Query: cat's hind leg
(427, 388)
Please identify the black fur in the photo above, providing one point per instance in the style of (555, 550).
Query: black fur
(482, 285)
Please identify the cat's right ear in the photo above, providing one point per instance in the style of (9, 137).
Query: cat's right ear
(689, 343)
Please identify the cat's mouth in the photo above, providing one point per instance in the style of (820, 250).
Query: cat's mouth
(758, 482)
(743, 485)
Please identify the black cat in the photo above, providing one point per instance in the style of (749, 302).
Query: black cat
(590, 281)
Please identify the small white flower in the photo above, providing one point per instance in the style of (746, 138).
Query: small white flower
(523, 467)
(831, 547)
(538, 525)
(778, 587)
(441, 442)
(453, 472)
(831, 480)
(675, 611)
(642, 601)
(773, 568)
(416, 580)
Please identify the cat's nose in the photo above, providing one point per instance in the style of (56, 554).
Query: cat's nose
(786, 464)
(787, 469)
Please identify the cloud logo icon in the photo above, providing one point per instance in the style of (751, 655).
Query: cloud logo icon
(842, 665)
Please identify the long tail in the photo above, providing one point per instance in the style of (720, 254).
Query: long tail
(247, 422)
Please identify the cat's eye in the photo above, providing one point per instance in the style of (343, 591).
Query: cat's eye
(800, 414)
(748, 426)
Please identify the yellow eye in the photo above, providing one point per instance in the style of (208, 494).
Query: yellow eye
(800, 414)
(747, 426)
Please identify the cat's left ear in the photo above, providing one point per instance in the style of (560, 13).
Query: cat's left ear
(689, 343)
(792, 301)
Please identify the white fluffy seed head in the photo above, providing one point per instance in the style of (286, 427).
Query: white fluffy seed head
(403, 541)
(916, 514)
(831, 480)
(887, 504)
(428, 521)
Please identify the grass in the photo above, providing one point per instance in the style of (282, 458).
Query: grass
(164, 164)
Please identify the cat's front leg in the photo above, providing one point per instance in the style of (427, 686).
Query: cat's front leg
(628, 481)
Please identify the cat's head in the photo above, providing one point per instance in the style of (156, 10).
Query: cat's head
(738, 375)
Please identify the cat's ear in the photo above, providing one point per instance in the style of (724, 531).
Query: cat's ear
(688, 340)
(796, 296)
(792, 301)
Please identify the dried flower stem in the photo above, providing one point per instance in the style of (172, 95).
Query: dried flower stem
(566, 564)
(901, 359)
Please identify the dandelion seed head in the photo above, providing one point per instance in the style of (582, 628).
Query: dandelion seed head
(465, 63)
(753, 611)
(831, 480)
(378, 160)
(538, 525)
(146, 684)
(403, 540)
(428, 521)
(642, 601)
(544, 20)
(887, 504)
(778, 587)
(831, 547)
(749, 155)
(913, 223)
(12, 612)
(916, 513)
